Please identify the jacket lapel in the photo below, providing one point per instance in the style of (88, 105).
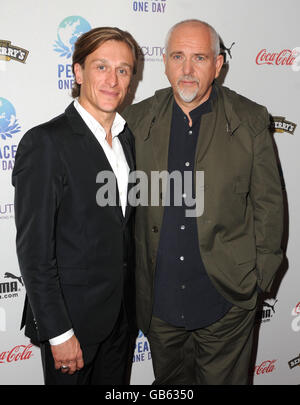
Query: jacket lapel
(94, 151)
(207, 130)
(128, 149)
(92, 146)
(159, 132)
(221, 120)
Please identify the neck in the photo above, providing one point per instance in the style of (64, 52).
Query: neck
(105, 118)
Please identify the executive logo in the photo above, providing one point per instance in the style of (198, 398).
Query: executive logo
(149, 53)
(10, 288)
(281, 125)
(151, 6)
(6, 211)
(69, 30)
(10, 52)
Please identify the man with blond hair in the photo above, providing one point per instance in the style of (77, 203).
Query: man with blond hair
(76, 257)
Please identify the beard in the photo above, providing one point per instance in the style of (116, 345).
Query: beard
(187, 95)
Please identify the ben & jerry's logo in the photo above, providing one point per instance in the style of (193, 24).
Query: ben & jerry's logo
(11, 52)
(280, 125)
(294, 362)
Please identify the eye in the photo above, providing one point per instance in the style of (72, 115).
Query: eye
(101, 67)
(123, 71)
(199, 58)
(177, 57)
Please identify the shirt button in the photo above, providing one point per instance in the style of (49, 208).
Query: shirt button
(182, 227)
(187, 164)
(183, 286)
(190, 132)
(182, 316)
(181, 258)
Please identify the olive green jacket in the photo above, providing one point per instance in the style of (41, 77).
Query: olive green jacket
(240, 229)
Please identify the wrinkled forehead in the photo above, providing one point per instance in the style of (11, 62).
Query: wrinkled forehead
(190, 34)
(195, 34)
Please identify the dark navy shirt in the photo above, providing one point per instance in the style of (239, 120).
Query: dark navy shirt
(184, 296)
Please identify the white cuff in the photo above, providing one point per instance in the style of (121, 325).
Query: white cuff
(61, 338)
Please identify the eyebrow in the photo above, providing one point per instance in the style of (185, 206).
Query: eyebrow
(176, 53)
(194, 54)
(107, 62)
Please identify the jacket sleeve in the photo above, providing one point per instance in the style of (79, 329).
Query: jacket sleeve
(266, 197)
(38, 181)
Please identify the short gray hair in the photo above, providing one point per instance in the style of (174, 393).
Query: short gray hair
(215, 39)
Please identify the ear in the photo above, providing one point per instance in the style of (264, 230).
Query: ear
(219, 63)
(165, 61)
(78, 73)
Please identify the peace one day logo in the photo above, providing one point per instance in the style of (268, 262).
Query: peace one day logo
(69, 30)
(9, 126)
(8, 121)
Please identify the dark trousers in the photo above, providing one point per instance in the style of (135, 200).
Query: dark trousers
(105, 363)
(216, 355)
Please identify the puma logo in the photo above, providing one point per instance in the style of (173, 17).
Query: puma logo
(267, 304)
(10, 275)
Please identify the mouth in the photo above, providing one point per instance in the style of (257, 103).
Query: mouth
(109, 93)
(186, 81)
(188, 84)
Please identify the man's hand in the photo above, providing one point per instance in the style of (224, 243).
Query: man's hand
(68, 354)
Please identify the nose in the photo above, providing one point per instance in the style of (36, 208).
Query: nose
(187, 67)
(112, 78)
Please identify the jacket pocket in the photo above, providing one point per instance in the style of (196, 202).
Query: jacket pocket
(73, 275)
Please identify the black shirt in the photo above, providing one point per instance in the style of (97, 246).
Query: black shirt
(184, 296)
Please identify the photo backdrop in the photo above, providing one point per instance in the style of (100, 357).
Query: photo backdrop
(263, 44)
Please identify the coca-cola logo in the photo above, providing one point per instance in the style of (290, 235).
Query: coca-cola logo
(297, 309)
(296, 318)
(285, 57)
(266, 367)
(17, 353)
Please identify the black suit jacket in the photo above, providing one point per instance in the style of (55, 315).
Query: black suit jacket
(76, 258)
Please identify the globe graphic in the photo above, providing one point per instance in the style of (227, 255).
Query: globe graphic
(69, 30)
(7, 116)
